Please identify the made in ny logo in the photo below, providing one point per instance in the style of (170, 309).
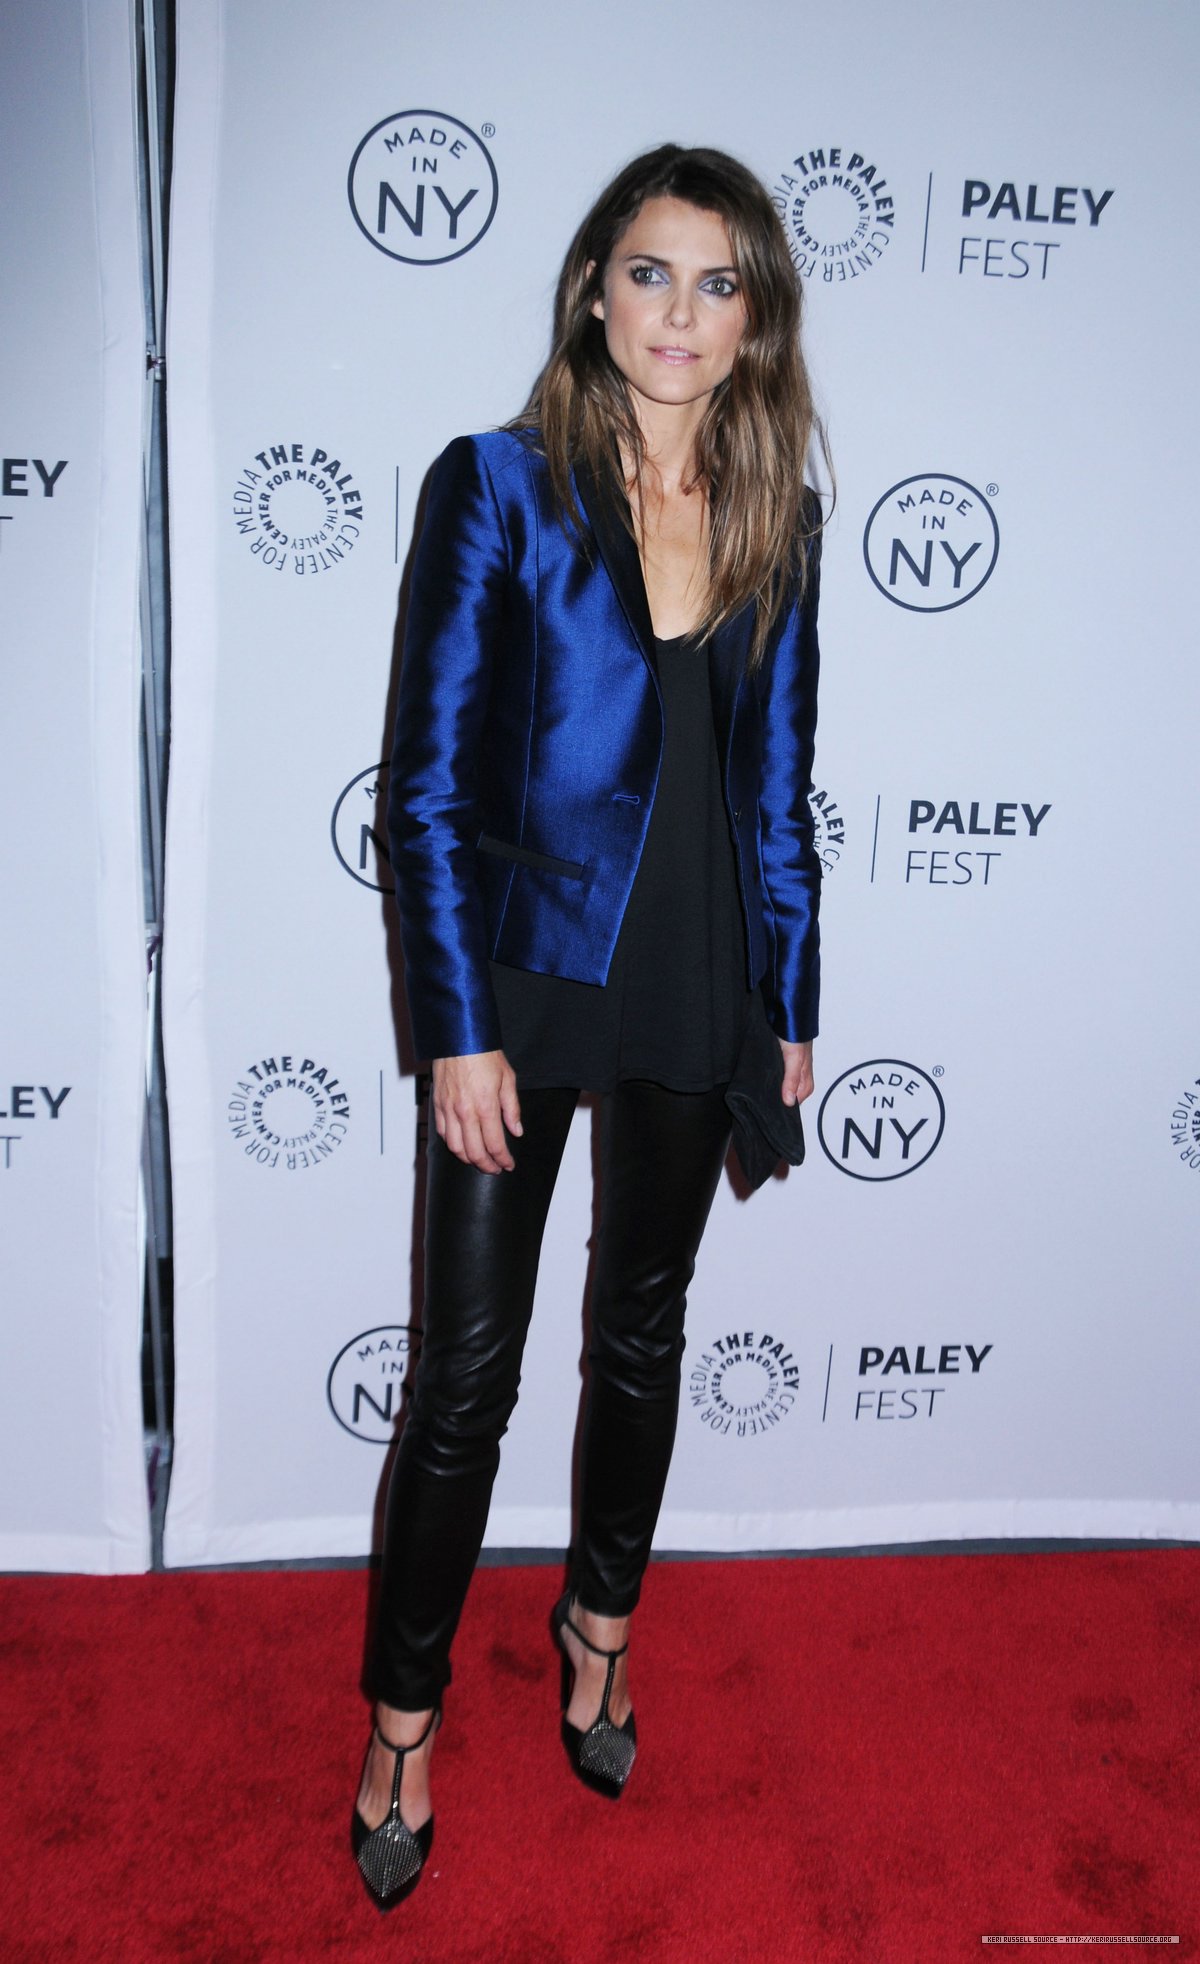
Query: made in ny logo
(423, 187)
(358, 829)
(288, 1112)
(365, 1388)
(881, 1120)
(837, 211)
(932, 542)
(298, 507)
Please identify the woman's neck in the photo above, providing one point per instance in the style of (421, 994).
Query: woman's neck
(669, 450)
(670, 525)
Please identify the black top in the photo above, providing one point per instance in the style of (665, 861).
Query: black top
(674, 1006)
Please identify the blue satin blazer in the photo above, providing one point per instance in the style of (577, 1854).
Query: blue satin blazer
(528, 737)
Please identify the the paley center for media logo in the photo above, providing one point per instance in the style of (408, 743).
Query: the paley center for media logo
(298, 508)
(288, 1113)
(1185, 1125)
(837, 210)
(744, 1383)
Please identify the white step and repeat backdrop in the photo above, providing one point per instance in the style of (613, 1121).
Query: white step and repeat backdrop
(973, 1311)
(72, 950)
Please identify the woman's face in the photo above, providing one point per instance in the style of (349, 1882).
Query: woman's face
(672, 304)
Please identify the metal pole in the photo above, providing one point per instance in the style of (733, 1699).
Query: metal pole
(153, 153)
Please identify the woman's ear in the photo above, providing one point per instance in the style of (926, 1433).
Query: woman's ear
(598, 302)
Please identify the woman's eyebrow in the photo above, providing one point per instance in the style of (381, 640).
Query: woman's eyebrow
(653, 259)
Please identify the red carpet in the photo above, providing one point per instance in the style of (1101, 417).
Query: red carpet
(882, 1759)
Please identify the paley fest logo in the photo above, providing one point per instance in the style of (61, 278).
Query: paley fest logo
(358, 829)
(288, 1112)
(744, 1384)
(299, 508)
(882, 1119)
(26, 477)
(941, 859)
(895, 1372)
(423, 187)
(1013, 246)
(837, 212)
(931, 542)
(1185, 1125)
(366, 1382)
(25, 1104)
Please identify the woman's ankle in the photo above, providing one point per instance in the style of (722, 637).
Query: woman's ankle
(401, 1726)
(606, 1631)
(590, 1638)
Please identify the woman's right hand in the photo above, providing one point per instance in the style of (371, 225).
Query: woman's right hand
(474, 1098)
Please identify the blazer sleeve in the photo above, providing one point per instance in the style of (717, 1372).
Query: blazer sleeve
(790, 867)
(456, 605)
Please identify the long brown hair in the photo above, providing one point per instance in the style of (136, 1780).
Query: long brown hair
(754, 438)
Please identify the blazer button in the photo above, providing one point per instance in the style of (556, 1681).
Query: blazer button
(737, 811)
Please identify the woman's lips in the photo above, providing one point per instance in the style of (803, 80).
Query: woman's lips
(676, 357)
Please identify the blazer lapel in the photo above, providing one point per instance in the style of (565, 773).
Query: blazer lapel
(618, 550)
(728, 649)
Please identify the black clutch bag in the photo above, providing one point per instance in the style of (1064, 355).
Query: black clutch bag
(765, 1130)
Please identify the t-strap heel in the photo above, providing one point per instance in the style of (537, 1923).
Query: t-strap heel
(603, 1756)
(391, 1856)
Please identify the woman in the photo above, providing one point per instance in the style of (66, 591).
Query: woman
(605, 872)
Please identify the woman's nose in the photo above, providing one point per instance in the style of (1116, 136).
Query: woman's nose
(681, 308)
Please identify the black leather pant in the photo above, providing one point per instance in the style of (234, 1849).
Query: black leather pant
(661, 1158)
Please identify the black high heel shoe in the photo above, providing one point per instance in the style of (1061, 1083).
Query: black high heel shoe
(603, 1756)
(391, 1856)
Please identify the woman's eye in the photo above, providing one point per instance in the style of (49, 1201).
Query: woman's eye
(644, 275)
(722, 286)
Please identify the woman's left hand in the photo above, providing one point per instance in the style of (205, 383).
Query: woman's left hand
(797, 1072)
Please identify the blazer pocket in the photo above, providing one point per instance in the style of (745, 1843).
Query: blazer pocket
(570, 869)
